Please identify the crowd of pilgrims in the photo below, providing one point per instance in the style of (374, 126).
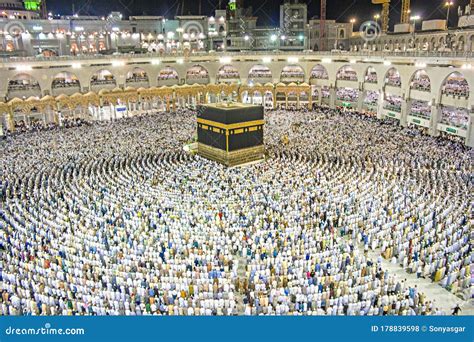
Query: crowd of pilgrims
(421, 109)
(22, 126)
(293, 72)
(103, 78)
(197, 72)
(455, 116)
(371, 77)
(23, 84)
(114, 218)
(457, 87)
(260, 72)
(393, 79)
(347, 74)
(228, 72)
(319, 73)
(371, 98)
(421, 82)
(168, 74)
(137, 76)
(393, 102)
(65, 83)
(347, 94)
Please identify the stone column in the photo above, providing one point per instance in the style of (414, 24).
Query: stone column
(470, 131)
(435, 117)
(10, 121)
(360, 100)
(25, 44)
(55, 113)
(114, 109)
(380, 105)
(406, 106)
(332, 98)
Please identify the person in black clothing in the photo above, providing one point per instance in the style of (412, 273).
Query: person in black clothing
(456, 310)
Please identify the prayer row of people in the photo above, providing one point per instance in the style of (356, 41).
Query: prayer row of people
(114, 218)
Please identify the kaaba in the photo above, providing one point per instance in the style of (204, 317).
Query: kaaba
(230, 133)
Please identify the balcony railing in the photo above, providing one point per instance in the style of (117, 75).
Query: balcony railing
(137, 79)
(448, 122)
(362, 54)
(420, 114)
(393, 108)
(21, 87)
(102, 82)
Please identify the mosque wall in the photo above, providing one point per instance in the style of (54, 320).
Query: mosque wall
(284, 68)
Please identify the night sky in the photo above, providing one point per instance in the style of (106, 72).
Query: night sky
(266, 10)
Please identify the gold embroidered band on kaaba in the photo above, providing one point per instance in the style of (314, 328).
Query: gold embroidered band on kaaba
(231, 126)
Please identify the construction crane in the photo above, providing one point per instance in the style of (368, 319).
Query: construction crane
(405, 15)
(385, 12)
(322, 26)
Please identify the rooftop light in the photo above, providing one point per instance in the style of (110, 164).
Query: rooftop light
(24, 68)
(225, 60)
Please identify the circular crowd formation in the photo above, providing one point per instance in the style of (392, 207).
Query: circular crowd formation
(114, 218)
